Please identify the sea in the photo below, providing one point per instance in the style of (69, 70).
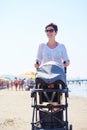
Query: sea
(78, 89)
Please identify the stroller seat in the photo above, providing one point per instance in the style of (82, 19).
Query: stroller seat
(50, 76)
(51, 72)
(51, 120)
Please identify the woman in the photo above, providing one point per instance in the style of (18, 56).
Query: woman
(52, 50)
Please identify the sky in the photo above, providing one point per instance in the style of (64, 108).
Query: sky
(22, 25)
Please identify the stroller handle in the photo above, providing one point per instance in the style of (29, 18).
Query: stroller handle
(65, 68)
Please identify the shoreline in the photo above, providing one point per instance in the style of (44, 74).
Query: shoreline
(16, 111)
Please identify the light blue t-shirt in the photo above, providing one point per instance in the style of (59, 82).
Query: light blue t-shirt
(57, 54)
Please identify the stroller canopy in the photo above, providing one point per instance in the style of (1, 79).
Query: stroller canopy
(51, 72)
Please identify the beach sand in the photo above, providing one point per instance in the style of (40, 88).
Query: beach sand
(16, 111)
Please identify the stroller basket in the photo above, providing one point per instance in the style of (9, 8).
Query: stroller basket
(51, 120)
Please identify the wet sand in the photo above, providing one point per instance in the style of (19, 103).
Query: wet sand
(16, 111)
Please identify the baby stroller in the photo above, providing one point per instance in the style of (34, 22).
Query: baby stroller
(49, 111)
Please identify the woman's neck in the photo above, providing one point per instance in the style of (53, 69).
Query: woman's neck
(52, 44)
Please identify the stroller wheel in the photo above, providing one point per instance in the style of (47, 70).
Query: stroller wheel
(70, 127)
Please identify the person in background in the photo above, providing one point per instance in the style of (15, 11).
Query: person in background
(21, 84)
(16, 83)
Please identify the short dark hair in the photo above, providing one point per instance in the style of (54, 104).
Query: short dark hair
(52, 25)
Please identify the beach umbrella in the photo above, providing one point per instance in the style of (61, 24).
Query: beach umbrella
(4, 79)
(29, 74)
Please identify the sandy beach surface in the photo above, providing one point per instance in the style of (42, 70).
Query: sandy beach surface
(16, 111)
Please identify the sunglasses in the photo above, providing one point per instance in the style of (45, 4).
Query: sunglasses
(50, 30)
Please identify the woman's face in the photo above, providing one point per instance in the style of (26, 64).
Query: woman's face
(50, 32)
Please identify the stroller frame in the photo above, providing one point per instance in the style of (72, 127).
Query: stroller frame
(43, 117)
